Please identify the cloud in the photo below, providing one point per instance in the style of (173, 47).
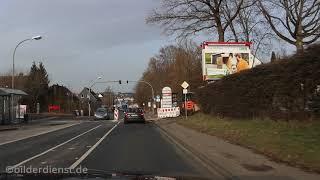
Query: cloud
(77, 35)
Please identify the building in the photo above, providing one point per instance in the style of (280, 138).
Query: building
(85, 96)
(61, 96)
(19, 81)
(108, 99)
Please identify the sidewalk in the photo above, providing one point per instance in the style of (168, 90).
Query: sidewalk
(15, 132)
(19, 125)
(228, 159)
(151, 117)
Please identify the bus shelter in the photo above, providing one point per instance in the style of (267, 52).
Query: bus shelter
(10, 111)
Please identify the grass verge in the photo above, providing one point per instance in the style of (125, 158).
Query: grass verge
(296, 143)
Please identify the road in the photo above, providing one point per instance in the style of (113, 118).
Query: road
(105, 146)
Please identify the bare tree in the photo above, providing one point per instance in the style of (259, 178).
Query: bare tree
(170, 67)
(249, 26)
(188, 17)
(294, 21)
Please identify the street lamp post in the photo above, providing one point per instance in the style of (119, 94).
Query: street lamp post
(14, 53)
(89, 97)
(13, 68)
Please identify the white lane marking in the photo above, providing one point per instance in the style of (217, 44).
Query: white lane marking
(45, 152)
(75, 164)
(45, 132)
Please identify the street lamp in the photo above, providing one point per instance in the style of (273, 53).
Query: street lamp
(13, 66)
(89, 104)
(14, 53)
(36, 38)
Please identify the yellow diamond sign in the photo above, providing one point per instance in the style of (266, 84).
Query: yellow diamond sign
(184, 85)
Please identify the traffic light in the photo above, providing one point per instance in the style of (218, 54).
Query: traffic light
(119, 81)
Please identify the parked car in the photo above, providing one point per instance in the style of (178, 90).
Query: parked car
(102, 113)
(134, 115)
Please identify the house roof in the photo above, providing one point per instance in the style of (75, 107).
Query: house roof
(85, 91)
(7, 92)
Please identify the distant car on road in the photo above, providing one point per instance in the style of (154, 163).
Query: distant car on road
(134, 115)
(102, 113)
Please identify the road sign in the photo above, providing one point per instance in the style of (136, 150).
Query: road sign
(185, 91)
(184, 85)
(166, 97)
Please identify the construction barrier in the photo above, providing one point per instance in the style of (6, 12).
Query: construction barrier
(168, 112)
(116, 114)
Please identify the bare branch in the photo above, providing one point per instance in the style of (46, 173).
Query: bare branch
(301, 26)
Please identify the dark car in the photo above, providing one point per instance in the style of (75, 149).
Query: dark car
(102, 113)
(134, 115)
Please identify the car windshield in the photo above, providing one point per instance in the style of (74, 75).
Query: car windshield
(160, 89)
(101, 110)
(134, 110)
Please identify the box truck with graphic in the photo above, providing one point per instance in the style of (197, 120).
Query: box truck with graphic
(220, 59)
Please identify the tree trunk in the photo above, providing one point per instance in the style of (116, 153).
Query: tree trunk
(234, 33)
(221, 34)
(299, 45)
(299, 38)
(220, 29)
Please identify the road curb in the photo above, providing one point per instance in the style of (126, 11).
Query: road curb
(211, 166)
(9, 129)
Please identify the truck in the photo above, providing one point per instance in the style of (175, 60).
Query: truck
(220, 59)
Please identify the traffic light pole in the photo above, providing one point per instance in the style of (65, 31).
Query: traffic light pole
(120, 82)
(149, 84)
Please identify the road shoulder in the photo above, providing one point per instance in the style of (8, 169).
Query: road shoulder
(230, 159)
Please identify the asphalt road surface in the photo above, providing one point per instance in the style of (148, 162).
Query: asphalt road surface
(108, 146)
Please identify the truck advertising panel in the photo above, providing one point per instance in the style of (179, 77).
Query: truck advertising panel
(223, 58)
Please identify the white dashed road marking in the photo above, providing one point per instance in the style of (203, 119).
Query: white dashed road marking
(49, 150)
(75, 164)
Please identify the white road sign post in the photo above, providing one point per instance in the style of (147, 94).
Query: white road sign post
(185, 85)
(185, 92)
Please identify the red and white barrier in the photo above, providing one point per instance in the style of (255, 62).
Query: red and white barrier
(116, 114)
(168, 112)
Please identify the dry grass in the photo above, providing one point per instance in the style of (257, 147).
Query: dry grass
(296, 143)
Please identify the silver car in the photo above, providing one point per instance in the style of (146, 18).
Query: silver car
(102, 113)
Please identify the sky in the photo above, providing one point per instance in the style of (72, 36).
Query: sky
(82, 39)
